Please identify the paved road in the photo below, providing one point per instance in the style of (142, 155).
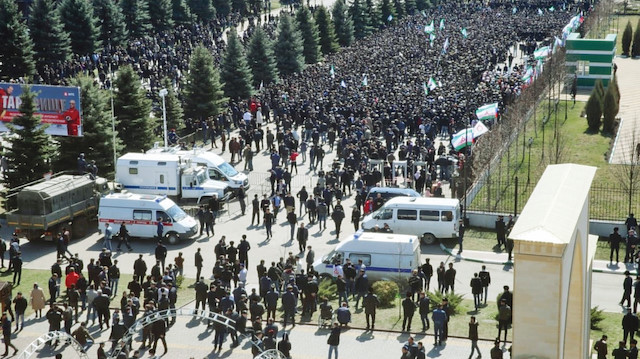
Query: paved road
(629, 132)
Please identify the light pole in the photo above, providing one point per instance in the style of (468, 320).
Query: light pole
(163, 93)
(529, 164)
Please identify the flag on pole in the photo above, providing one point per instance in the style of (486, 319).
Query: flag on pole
(424, 13)
(479, 129)
(332, 72)
(542, 53)
(552, 9)
(429, 28)
(464, 32)
(462, 139)
(539, 11)
(261, 85)
(425, 89)
(441, 24)
(514, 10)
(445, 46)
(343, 84)
(487, 112)
(390, 17)
(432, 84)
(365, 82)
(432, 38)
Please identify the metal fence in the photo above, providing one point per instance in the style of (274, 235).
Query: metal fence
(608, 202)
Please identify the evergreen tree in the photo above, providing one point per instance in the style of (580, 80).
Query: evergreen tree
(410, 7)
(132, 109)
(598, 89)
(97, 140)
(423, 4)
(398, 6)
(111, 22)
(223, 7)
(374, 15)
(202, 95)
(635, 50)
(361, 21)
(136, 17)
(386, 9)
(609, 109)
(342, 23)
(328, 39)
(593, 110)
(288, 47)
(627, 35)
(161, 14)
(175, 115)
(16, 52)
(202, 9)
(50, 42)
(30, 149)
(260, 58)
(255, 6)
(181, 12)
(80, 22)
(234, 71)
(310, 38)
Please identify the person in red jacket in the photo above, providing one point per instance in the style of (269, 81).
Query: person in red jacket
(368, 206)
(72, 278)
(72, 117)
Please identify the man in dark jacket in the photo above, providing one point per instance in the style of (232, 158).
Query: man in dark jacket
(370, 303)
(476, 290)
(485, 277)
(614, 242)
(629, 325)
(271, 301)
(361, 286)
(289, 306)
(626, 285)
(500, 230)
(302, 236)
(408, 308)
(161, 254)
(424, 310)
(449, 278)
(140, 268)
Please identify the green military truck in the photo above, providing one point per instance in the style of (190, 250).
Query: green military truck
(45, 207)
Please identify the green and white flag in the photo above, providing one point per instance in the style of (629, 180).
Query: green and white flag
(365, 82)
(464, 32)
(552, 9)
(441, 24)
(432, 38)
(432, 84)
(424, 13)
(462, 139)
(332, 72)
(487, 112)
(429, 29)
(425, 89)
(542, 53)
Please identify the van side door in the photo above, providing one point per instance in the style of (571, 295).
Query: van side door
(142, 225)
(406, 221)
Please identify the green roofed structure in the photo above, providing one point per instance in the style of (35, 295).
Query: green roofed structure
(590, 59)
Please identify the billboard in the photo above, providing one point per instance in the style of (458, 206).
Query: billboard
(57, 106)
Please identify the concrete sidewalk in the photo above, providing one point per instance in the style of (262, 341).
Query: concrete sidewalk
(599, 266)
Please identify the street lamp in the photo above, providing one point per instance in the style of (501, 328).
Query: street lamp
(529, 164)
(163, 93)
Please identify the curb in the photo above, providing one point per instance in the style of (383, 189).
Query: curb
(487, 261)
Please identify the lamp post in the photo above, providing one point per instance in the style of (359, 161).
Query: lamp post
(529, 161)
(163, 93)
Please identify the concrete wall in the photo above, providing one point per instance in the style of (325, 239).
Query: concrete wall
(487, 220)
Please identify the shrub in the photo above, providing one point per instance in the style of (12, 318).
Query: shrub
(626, 39)
(597, 315)
(610, 109)
(455, 300)
(179, 280)
(594, 112)
(635, 50)
(598, 88)
(327, 288)
(386, 291)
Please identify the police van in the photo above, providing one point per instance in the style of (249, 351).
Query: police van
(140, 213)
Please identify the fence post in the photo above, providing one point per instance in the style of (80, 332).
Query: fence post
(515, 199)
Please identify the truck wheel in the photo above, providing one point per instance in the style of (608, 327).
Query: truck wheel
(428, 238)
(172, 238)
(32, 235)
(79, 227)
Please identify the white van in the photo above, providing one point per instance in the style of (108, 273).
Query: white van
(218, 169)
(140, 213)
(387, 256)
(429, 218)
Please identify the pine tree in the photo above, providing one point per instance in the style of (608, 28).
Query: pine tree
(288, 47)
(328, 39)
(609, 109)
(593, 110)
(132, 109)
(598, 89)
(399, 7)
(627, 35)
(410, 6)
(161, 14)
(113, 30)
(175, 115)
(361, 21)
(136, 17)
(374, 15)
(97, 140)
(223, 7)
(80, 22)
(30, 149)
(181, 12)
(342, 23)
(16, 52)
(50, 42)
(386, 8)
(260, 58)
(202, 9)
(309, 33)
(234, 71)
(202, 95)
(635, 50)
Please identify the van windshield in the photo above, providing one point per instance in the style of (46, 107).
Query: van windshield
(332, 258)
(227, 169)
(201, 176)
(383, 213)
(176, 213)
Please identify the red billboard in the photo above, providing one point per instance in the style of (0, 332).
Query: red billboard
(57, 106)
